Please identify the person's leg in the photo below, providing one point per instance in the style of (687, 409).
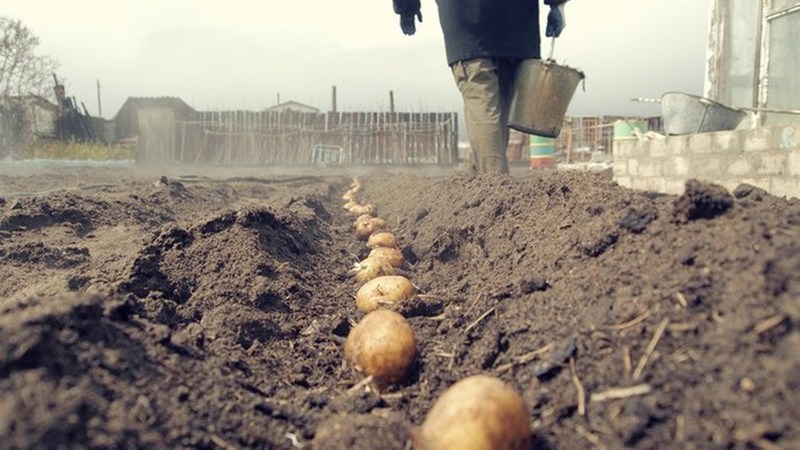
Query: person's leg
(478, 81)
(506, 72)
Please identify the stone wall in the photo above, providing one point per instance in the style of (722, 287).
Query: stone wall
(767, 157)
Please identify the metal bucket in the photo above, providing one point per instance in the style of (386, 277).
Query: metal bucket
(542, 93)
(687, 114)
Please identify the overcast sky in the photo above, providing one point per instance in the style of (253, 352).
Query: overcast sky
(240, 54)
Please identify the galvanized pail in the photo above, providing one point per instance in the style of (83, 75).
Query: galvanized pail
(687, 114)
(542, 93)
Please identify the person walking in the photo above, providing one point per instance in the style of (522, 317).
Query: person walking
(484, 42)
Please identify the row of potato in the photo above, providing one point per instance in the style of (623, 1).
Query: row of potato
(479, 412)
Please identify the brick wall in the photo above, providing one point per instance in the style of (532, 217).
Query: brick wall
(767, 157)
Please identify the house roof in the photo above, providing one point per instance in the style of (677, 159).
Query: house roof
(31, 99)
(291, 104)
(150, 102)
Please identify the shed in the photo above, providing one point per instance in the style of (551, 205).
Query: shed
(152, 123)
(126, 121)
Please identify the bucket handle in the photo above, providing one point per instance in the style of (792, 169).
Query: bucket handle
(550, 58)
(552, 48)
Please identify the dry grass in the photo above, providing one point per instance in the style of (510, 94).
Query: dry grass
(73, 150)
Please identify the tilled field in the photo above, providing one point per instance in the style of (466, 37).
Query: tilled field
(147, 312)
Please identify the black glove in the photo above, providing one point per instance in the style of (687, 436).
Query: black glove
(555, 21)
(408, 11)
(407, 23)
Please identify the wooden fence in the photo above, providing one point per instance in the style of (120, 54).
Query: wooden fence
(295, 138)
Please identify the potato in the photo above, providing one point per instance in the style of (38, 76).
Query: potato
(365, 228)
(477, 413)
(382, 239)
(350, 196)
(382, 345)
(371, 268)
(391, 255)
(363, 218)
(384, 290)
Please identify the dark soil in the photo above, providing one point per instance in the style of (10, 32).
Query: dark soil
(150, 312)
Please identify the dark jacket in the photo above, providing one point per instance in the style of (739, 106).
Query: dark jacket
(486, 28)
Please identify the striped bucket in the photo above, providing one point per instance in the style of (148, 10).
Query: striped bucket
(543, 150)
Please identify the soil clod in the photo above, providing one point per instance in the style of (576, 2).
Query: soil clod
(701, 201)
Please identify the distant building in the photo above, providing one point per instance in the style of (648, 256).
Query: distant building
(23, 120)
(293, 106)
(136, 110)
(152, 124)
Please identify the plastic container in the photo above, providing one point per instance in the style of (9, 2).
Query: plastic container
(687, 114)
(543, 150)
(542, 92)
(625, 130)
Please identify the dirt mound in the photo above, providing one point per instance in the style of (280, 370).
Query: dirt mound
(249, 259)
(210, 313)
(688, 311)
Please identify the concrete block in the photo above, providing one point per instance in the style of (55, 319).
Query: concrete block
(617, 152)
(773, 163)
(740, 167)
(677, 166)
(677, 145)
(624, 149)
(706, 167)
(794, 162)
(650, 168)
(620, 168)
(619, 159)
(641, 148)
(700, 143)
(658, 148)
(681, 167)
(674, 186)
(652, 184)
(727, 141)
(759, 139)
(633, 167)
(785, 187)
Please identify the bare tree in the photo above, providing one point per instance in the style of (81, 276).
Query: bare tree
(22, 71)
